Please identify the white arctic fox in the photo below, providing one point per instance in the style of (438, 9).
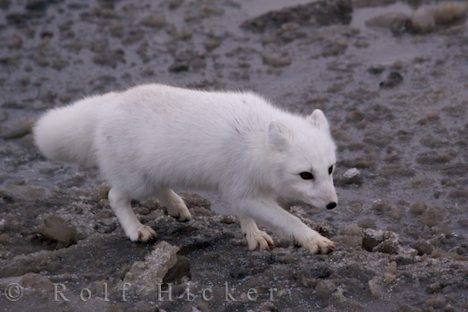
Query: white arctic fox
(151, 139)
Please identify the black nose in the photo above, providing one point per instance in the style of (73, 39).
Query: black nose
(331, 205)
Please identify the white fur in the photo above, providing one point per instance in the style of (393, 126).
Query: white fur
(154, 138)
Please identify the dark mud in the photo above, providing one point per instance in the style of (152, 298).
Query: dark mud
(397, 104)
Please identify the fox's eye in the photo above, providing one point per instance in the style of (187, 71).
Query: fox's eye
(330, 170)
(306, 175)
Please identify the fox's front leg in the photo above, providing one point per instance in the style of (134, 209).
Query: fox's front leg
(120, 204)
(268, 212)
(254, 236)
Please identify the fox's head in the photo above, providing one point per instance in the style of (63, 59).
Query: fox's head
(303, 155)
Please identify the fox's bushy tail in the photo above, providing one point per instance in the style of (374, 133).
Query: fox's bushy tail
(67, 133)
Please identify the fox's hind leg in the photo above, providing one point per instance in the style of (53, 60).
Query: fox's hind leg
(175, 204)
(122, 208)
(255, 237)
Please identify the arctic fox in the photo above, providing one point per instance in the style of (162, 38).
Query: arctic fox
(151, 139)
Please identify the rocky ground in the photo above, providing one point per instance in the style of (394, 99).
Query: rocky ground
(393, 81)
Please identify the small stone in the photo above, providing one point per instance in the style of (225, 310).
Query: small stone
(211, 43)
(372, 238)
(179, 66)
(5, 239)
(375, 287)
(396, 22)
(18, 130)
(57, 229)
(179, 271)
(447, 13)
(154, 21)
(376, 69)
(275, 59)
(390, 272)
(423, 247)
(146, 276)
(389, 246)
(436, 302)
(37, 282)
(422, 20)
(103, 191)
(352, 176)
(324, 289)
(418, 208)
(434, 287)
(393, 79)
(229, 219)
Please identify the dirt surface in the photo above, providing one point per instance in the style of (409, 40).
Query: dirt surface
(397, 101)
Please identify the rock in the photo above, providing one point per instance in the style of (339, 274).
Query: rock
(37, 282)
(418, 208)
(179, 271)
(422, 20)
(103, 191)
(434, 288)
(379, 207)
(57, 229)
(427, 18)
(105, 226)
(436, 302)
(393, 79)
(144, 277)
(275, 59)
(211, 43)
(396, 22)
(449, 13)
(390, 272)
(352, 176)
(324, 289)
(375, 287)
(372, 238)
(352, 241)
(179, 66)
(154, 21)
(228, 219)
(422, 247)
(389, 246)
(18, 130)
(376, 69)
(36, 5)
(306, 15)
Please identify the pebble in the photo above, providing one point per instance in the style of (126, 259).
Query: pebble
(423, 247)
(154, 21)
(276, 60)
(375, 287)
(372, 238)
(18, 130)
(179, 271)
(57, 229)
(352, 176)
(324, 289)
(376, 69)
(393, 79)
(146, 275)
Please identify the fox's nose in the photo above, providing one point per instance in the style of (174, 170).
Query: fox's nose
(331, 205)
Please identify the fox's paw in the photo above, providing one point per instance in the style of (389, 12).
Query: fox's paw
(143, 233)
(319, 244)
(259, 239)
(180, 213)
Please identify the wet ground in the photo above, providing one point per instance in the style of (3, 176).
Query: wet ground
(397, 103)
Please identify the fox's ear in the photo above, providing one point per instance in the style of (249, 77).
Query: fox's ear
(318, 119)
(279, 135)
